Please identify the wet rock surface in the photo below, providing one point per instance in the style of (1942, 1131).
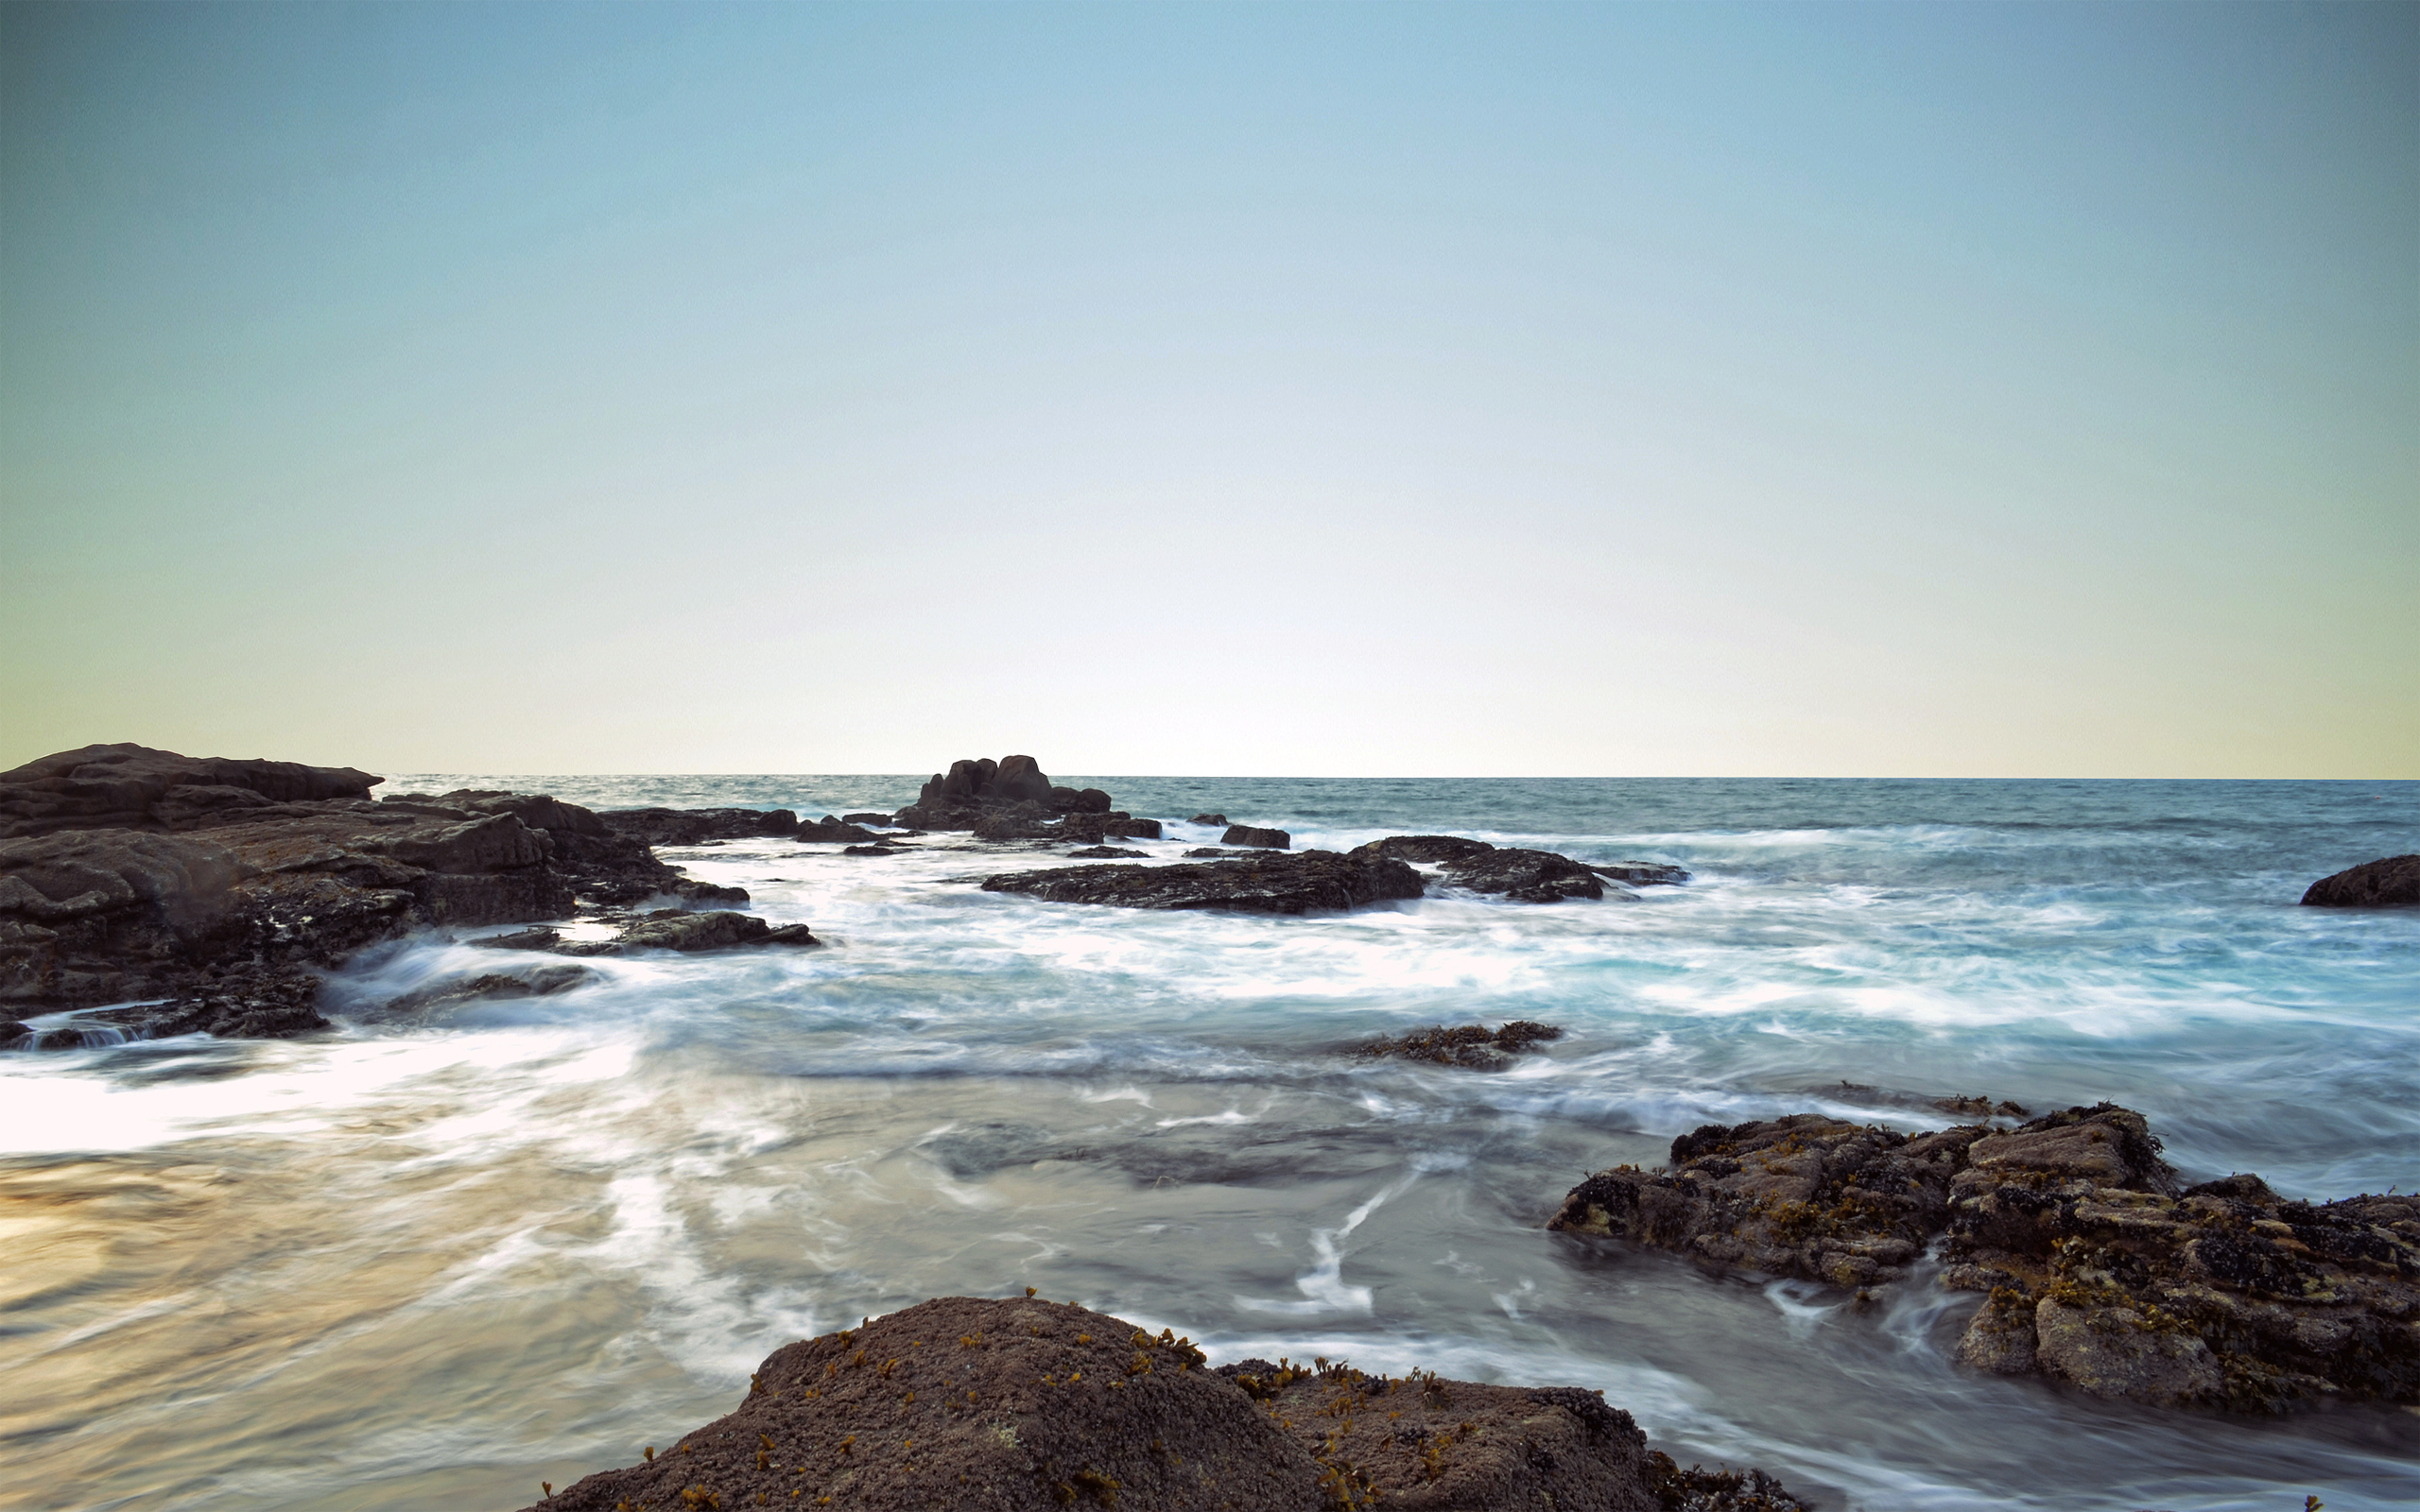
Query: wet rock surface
(1466, 1044)
(1805, 1195)
(1029, 1405)
(2098, 1270)
(2390, 882)
(489, 986)
(1516, 874)
(223, 887)
(1249, 836)
(1278, 883)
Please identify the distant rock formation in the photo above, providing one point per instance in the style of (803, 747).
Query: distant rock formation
(2098, 1270)
(2393, 883)
(1014, 799)
(1027, 1405)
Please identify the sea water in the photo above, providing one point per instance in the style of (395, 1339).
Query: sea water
(432, 1260)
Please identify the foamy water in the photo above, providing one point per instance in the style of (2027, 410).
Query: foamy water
(431, 1262)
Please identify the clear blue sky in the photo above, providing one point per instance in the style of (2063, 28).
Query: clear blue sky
(1368, 389)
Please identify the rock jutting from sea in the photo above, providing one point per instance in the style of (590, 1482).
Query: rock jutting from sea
(1027, 1405)
(2393, 881)
(222, 889)
(2098, 1268)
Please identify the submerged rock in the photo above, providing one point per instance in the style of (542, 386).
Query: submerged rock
(1219, 819)
(1279, 883)
(1108, 852)
(1468, 1045)
(2098, 1270)
(545, 981)
(2391, 883)
(1041, 1406)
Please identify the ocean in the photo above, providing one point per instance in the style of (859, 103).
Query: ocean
(430, 1260)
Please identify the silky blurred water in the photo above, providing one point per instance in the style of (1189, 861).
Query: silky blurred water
(430, 1260)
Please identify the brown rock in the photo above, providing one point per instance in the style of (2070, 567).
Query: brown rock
(1034, 1406)
(2118, 1352)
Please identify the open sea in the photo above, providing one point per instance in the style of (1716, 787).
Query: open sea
(429, 1262)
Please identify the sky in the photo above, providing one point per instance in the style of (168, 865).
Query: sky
(1386, 391)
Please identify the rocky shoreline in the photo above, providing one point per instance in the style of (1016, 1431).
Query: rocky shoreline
(206, 895)
(167, 895)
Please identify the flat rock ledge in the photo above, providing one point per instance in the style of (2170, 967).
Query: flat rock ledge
(1026, 1405)
(209, 894)
(2390, 882)
(1280, 881)
(1297, 881)
(2097, 1269)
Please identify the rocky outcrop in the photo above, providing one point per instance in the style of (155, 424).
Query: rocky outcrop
(1040, 1406)
(1806, 1196)
(223, 887)
(2097, 1269)
(135, 787)
(1465, 1044)
(1516, 874)
(1279, 883)
(1247, 834)
(1014, 790)
(2393, 883)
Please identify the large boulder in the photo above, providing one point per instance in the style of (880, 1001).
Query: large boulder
(1279, 883)
(2393, 883)
(2096, 1269)
(136, 787)
(1027, 1405)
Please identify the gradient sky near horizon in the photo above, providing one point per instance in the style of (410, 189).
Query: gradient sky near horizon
(1432, 389)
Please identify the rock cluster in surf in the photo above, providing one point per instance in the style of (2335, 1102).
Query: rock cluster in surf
(1041, 1406)
(2098, 1268)
(222, 888)
(1295, 881)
